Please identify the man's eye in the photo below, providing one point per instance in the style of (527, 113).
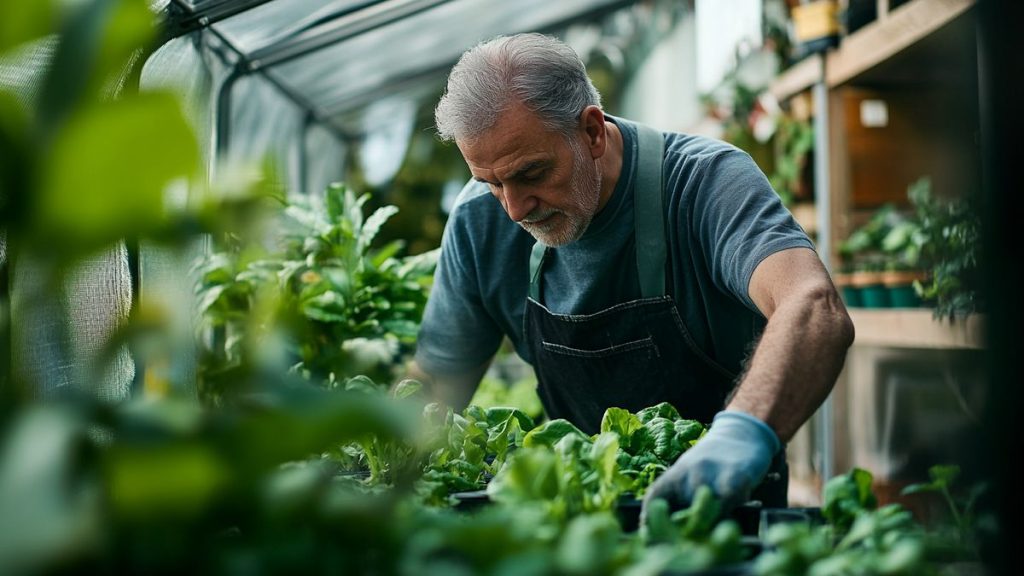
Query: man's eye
(533, 176)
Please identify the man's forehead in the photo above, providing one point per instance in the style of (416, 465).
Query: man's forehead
(504, 153)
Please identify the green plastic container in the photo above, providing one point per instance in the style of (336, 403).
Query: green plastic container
(873, 294)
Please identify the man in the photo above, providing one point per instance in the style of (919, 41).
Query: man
(629, 267)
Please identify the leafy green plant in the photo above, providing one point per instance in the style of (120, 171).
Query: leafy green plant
(566, 477)
(470, 448)
(650, 441)
(521, 394)
(958, 536)
(857, 538)
(949, 243)
(336, 305)
(888, 240)
(792, 144)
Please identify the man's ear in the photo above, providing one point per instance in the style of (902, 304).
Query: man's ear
(592, 123)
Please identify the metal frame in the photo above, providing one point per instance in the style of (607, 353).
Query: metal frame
(349, 24)
(184, 18)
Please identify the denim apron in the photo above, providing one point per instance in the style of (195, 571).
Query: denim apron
(634, 354)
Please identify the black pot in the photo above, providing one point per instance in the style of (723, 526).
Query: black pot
(748, 515)
(471, 500)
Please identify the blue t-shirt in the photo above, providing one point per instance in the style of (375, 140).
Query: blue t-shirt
(723, 220)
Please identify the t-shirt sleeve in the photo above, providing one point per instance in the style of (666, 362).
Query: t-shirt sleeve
(740, 221)
(457, 332)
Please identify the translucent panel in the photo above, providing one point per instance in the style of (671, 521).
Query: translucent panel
(61, 346)
(388, 125)
(166, 280)
(180, 66)
(429, 41)
(264, 124)
(22, 70)
(274, 21)
(325, 159)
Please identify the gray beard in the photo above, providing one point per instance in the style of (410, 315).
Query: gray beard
(585, 192)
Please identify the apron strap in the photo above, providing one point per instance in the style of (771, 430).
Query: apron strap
(649, 220)
(650, 214)
(536, 263)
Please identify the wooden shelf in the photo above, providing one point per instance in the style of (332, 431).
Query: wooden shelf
(882, 39)
(915, 328)
(797, 78)
(875, 44)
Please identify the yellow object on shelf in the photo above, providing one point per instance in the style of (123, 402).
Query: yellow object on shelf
(814, 21)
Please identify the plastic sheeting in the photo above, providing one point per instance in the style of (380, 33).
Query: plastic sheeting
(300, 81)
(281, 67)
(62, 345)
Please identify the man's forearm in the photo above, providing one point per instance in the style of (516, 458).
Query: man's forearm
(796, 362)
(454, 391)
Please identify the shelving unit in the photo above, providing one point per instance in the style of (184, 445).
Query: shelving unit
(916, 328)
(920, 61)
(888, 37)
(878, 43)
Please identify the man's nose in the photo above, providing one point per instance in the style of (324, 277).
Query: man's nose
(518, 204)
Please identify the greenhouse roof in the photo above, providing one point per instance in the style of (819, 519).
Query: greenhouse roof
(332, 56)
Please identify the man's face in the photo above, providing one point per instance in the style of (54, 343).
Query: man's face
(545, 184)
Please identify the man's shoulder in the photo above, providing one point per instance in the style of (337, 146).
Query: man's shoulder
(476, 215)
(696, 146)
(475, 204)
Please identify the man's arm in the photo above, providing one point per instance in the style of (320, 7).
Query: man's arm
(804, 344)
(792, 371)
(454, 391)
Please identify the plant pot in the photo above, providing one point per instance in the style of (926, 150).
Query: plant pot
(471, 500)
(849, 292)
(873, 293)
(748, 515)
(816, 25)
(900, 285)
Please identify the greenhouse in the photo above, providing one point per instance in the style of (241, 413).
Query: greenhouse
(623, 287)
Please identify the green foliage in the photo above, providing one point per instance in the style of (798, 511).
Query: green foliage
(470, 448)
(25, 21)
(521, 394)
(861, 538)
(79, 201)
(573, 476)
(692, 539)
(958, 534)
(941, 237)
(846, 496)
(949, 242)
(792, 145)
(152, 486)
(650, 440)
(337, 305)
(890, 240)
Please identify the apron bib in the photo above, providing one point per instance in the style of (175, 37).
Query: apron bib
(635, 354)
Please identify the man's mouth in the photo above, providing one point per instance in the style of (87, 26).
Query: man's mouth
(538, 219)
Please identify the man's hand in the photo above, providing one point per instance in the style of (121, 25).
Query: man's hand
(732, 459)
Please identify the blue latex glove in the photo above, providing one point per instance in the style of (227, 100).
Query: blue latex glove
(732, 458)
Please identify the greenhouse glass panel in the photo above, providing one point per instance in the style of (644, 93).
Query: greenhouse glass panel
(336, 75)
(276, 21)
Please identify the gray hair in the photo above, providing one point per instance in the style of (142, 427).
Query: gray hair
(541, 72)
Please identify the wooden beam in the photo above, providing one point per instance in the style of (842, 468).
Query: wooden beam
(915, 328)
(797, 78)
(883, 38)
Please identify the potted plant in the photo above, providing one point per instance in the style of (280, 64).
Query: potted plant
(850, 292)
(902, 246)
(862, 254)
(949, 245)
(868, 282)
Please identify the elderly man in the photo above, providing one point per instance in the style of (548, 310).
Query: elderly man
(629, 267)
